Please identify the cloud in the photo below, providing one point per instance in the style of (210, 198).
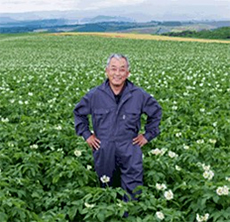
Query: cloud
(197, 9)
(44, 5)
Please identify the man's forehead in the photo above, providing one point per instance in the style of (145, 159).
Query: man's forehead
(120, 62)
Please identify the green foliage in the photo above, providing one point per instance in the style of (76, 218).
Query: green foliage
(46, 172)
(219, 33)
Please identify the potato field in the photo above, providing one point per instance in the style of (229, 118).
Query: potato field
(47, 172)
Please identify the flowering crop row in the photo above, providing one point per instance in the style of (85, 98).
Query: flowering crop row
(46, 172)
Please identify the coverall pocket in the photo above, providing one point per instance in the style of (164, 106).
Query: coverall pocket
(101, 119)
(132, 118)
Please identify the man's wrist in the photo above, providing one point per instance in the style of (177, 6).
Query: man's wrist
(86, 135)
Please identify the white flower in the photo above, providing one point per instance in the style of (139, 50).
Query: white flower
(89, 205)
(172, 154)
(208, 174)
(30, 94)
(174, 107)
(158, 151)
(6, 120)
(12, 101)
(227, 178)
(200, 141)
(60, 150)
(88, 167)
(202, 110)
(222, 190)
(160, 186)
(105, 179)
(178, 134)
(160, 215)
(58, 127)
(206, 216)
(185, 94)
(178, 168)
(35, 146)
(219, 191)
(120, 203)
(168, 195)
(77, 153)
(200, 218)
(186, 147)
(26, 102)
(225, 190)
(206, 167)
(212, 141)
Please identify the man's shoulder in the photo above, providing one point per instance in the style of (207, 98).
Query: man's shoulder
(135, 88)
(96, 89)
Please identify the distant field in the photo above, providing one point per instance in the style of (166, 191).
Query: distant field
(142, 36)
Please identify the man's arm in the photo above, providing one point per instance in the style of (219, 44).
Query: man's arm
(153, 111)
(81, 122)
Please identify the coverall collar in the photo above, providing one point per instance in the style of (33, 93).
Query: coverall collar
(127, 93)
(129, 87)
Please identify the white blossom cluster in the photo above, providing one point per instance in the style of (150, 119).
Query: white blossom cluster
(4, 120)
(200, 141)
(160, 215)
(58, 127)
(161, 186)
(186, 147)
(208, 173)
(213, 141)
(221, 191)
(158, 151)
(200, 218)
(87, 205)
(172, 154)
(34, 146)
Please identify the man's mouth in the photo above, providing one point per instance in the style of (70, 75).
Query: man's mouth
(117, 78)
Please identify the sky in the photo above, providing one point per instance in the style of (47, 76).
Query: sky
(192, 8)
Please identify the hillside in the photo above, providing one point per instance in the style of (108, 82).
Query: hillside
(118, 24)
(220, 33)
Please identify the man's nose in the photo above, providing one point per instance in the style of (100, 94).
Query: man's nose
(117, 72)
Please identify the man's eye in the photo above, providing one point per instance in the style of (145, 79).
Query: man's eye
(114, 70)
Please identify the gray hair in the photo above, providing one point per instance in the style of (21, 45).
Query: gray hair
(118, 56)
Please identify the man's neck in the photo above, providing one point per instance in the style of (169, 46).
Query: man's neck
(116, 89)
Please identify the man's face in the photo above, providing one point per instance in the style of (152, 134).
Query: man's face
(117, 72)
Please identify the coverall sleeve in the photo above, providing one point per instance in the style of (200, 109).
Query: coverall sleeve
(153, 111)
(81, 121)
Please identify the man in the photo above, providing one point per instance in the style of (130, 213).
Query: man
(116, 107)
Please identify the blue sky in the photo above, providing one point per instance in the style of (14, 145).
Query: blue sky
(193, 8)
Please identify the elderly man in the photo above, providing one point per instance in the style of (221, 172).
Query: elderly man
(116, 107)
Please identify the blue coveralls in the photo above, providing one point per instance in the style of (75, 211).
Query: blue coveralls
(115, 125)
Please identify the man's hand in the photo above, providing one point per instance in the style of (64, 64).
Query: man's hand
(93, 142)
(140, 140)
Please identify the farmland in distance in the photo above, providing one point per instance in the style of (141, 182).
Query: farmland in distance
(46, 171)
